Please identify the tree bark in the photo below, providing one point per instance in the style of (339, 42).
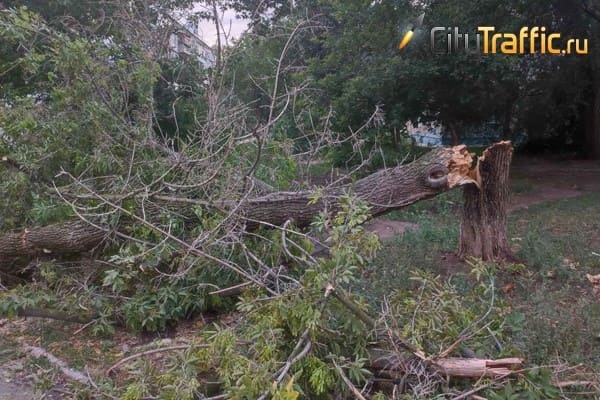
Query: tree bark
(385, 190)
(483, 231)
(592, 127)
(59, 239)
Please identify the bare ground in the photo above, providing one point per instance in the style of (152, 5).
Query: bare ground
(12, 391)
(552, 180)
(13, 384)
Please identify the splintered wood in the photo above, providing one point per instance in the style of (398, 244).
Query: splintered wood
(483, 227)
(460, 171)
(477, 367)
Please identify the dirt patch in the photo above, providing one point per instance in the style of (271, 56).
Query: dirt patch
(11, 391)
(13, 384)
(388, 229)
(535, 181)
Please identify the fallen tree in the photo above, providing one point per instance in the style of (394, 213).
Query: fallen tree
(483, 223)
(66, 238)
(386, 190)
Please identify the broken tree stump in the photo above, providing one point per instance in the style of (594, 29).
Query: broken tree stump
(483, 230)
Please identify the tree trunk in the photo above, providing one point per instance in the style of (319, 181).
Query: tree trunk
(592, 127)
(385, 190)
(483, 231)
(59, 239)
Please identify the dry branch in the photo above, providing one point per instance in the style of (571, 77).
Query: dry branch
(148, 353)
(37, 312)
(64, 368)
(357, 394)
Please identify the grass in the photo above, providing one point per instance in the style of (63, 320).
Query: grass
(521, 186)
(557, 240)
(558, 315)
(437, 234)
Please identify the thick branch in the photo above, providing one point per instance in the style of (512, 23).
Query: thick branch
(69, 237)
(385, 190)
(59, 239)
(60, 364)
(477, 367)
(36, 312)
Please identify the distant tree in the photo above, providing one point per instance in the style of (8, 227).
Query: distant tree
(356, 65)
(561, 102)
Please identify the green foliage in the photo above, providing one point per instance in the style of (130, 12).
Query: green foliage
(15, 198)
(322, 378)
(247, 356)
(436, 312)
(180, 99)
(163, 306)
(155, 292)
(536, 384)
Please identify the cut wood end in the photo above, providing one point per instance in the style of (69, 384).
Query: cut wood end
(477, 367)
(460, 171)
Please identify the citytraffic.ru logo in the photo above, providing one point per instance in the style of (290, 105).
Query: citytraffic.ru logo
(535, 40)
(447, 40)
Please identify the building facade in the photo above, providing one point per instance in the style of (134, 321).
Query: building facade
(183, 39)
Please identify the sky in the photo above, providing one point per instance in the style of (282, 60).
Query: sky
(232, 26)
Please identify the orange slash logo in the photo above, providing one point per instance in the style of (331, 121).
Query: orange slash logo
(416, 23)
